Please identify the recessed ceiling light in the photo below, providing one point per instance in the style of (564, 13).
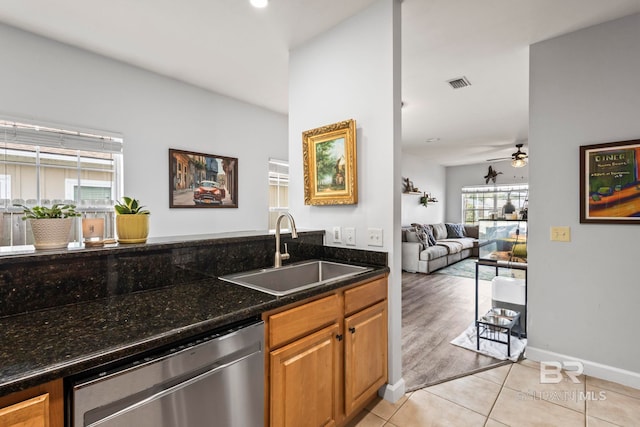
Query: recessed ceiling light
(432, 139)
(259, 3)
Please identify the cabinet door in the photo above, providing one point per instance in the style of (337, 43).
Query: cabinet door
(365, 355)
(30, 413)
(304, 381)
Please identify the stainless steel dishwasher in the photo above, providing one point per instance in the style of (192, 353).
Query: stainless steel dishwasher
(215, 380)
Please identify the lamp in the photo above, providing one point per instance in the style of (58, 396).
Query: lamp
(518, 162)
(259, 3)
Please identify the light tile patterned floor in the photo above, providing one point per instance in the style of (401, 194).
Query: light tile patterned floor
(509, 395)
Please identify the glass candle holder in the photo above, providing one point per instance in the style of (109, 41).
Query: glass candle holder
(93, 231)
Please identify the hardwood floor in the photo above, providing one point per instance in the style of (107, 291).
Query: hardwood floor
(437, 308)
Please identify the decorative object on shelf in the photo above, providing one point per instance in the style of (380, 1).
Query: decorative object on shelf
(426, 199)
(50, 226)
(93, 231)
(330, 165)
(610, 183)
(408, 186)
(198, 180)
(132, 221)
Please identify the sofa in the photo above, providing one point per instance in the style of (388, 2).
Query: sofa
(429, 247)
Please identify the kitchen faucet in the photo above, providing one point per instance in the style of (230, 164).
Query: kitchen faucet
(294, 234)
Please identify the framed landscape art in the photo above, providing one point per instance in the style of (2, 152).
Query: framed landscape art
(198, 180)
(330, 167)
(610, 183)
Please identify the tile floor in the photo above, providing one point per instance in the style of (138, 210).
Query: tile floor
(510, 395)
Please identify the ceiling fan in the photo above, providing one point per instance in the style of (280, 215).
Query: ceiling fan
(518, 159)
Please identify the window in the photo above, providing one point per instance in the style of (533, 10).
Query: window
(41, 165)
(482, 201)
(278, 190)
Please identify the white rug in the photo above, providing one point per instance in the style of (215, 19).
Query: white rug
(467, 340)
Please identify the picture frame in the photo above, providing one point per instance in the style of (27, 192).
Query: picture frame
(610, 183)
(199, 180)
(330, 164)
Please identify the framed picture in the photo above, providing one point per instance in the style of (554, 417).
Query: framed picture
(610, 183)
(198, 180)
(329, 157)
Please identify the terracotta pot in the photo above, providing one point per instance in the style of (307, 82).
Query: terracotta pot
(51, 233)
(132, 228)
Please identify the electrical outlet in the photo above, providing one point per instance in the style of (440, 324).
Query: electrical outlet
(337, 235)
(375, 237)
(350, 236)
(561, 234)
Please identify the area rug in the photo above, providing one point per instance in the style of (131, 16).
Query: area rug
(467, 268)
(468, 338)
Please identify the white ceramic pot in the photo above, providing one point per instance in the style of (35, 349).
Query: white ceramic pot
(51, 233)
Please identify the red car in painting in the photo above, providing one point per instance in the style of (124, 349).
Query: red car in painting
(208, 192)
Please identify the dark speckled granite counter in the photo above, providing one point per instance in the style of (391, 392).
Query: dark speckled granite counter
(140, 297)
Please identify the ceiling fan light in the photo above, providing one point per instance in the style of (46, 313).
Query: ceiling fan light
(518, 163)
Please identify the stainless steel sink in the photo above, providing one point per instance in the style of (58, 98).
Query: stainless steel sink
(294, 277)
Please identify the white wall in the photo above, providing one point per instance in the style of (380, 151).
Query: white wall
(49, 81)
(460, 176)
(352, 71)
(584, 295)
(429, 177)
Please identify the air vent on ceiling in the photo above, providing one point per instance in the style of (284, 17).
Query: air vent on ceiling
(459, 83)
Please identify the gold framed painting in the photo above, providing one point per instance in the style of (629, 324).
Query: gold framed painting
(330, 166)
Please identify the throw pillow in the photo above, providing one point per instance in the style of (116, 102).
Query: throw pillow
(430, 237)
(454, 231)
(422, 234)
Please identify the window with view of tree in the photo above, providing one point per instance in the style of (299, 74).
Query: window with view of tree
(278, 190)
(481, 202)
(44, 165)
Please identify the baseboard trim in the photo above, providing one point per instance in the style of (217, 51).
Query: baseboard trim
(594, 369)
(393, 392)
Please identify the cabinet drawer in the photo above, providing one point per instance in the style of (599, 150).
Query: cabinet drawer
(302, 320)
(363, 296)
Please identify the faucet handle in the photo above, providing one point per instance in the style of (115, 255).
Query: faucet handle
(285, 255)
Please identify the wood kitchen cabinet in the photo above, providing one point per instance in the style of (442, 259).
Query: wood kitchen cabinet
(40, 406)
(326, 358)
(365, 355)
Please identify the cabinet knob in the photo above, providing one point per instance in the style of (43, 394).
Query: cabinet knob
(352, 330)
(339, 337)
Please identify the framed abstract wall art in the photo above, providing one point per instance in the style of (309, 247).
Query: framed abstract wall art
(610, 183)
(330, 166)
(198, 180)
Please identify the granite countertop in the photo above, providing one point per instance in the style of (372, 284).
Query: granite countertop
(43, 345)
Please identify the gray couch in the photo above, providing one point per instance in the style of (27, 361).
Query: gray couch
(420, 257)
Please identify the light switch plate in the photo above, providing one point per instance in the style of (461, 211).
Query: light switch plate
(561, 234)
(337, 235)
(375, 237)
(350, 236)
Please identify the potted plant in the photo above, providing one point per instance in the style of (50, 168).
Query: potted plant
(50, 226)
(132, 221)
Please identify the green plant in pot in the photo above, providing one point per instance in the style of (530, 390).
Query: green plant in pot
(132, 221)
(50, 226)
